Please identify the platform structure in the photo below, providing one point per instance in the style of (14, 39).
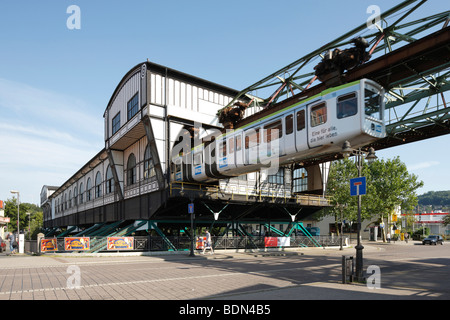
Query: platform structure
(132, 178)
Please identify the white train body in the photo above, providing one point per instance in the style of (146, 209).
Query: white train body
(316, 126)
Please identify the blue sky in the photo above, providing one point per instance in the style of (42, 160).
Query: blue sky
(55, 82)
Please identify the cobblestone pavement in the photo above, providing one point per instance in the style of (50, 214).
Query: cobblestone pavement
(302, 274)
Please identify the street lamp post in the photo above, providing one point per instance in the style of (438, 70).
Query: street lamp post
(370, 157)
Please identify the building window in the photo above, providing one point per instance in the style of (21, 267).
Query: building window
(132, 107)
(98, 185)
(116, 123)
(70, 199)
(81, 193)
(75, 196)
(277, 178)
(109, 180)
(88, 190)
(131, 170)
(149, 167)
(299, 180)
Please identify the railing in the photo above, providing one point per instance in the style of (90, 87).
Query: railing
(182, 243)
(247, 193)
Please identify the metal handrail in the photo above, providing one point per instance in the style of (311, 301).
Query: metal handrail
(250, 192)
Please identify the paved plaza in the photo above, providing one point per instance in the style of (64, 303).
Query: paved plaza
(408, 271)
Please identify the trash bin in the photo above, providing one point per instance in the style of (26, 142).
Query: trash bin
(348, 269)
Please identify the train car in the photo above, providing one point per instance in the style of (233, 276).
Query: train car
(319, 125)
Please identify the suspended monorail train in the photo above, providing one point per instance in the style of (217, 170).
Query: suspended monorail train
(313, 127)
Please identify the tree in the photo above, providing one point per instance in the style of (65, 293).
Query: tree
(446, 220)
(35, 220)
(389, 185)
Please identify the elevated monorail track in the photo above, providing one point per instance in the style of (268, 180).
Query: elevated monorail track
(415, 75)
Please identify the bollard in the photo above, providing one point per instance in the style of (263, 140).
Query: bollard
(348, 269)
(39, 237)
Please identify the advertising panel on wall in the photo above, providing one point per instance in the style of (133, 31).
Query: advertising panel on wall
(77, 244)
(49, 245)
(120, 243)
(270, 242)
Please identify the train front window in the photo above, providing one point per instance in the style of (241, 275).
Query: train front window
(372, 104)
(347, 106)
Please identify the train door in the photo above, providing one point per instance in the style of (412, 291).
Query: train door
(289, 135)
(301, 137)
(239, 150)
(222, 154)
(198, 165)
(231, 154)
(251, 143)
(272, 145)
(178, 170)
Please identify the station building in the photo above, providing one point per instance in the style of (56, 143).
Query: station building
(131, 179)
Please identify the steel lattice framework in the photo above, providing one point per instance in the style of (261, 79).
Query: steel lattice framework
(405, 58)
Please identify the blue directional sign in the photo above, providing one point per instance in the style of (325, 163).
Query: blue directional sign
(358, 186)
(190, 208)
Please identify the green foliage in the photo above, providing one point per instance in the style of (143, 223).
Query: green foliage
(435, 198)
(35, 220)
(446, 220)
(389, 185)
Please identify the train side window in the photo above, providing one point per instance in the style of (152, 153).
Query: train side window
(301, 120)
(252, 138)
(230, 146)
(318, 114)
(238, 143)
(198, 159)
(347, 105)
(273, 131)
(289, 123)
(223, 148)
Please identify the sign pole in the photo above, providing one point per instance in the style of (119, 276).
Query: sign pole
(359, 247)
(191, 212)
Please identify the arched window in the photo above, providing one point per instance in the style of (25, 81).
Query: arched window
(98, 185)
(81, 192)
(75, 196)
(109, 180)
(149, 167)
(131, 170)
(70, 199)
(88, 190)
(65, 201)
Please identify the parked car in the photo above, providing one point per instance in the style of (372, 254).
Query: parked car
(433, 239)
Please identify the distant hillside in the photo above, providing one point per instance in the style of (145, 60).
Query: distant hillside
(435, 198)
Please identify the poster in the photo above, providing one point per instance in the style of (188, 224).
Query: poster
(271, 242)
(120, 243)
(277, 242)
(77, 244)
(49, 245)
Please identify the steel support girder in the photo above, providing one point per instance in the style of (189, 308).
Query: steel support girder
(294, 68)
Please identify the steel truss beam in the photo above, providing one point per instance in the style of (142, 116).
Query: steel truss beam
(299, 75)
(417, 84)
